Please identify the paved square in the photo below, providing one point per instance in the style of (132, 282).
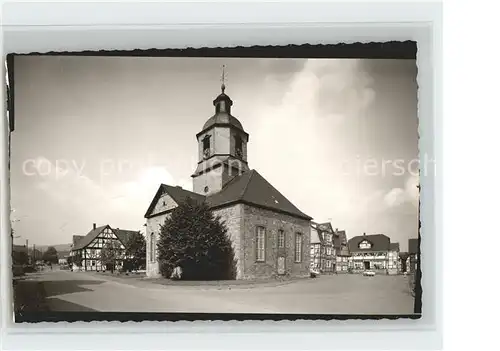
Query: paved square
(334, 294)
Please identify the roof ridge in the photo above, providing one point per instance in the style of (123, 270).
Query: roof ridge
(252, 172)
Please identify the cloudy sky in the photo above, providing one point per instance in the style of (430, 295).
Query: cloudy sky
(95, 136)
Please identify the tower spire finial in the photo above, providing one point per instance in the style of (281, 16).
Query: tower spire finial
(223, 78)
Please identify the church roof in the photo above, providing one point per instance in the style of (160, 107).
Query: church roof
(253, 189)
(177, 193)
(250, 188)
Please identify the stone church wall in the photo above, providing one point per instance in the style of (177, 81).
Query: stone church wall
(242, 222)
(232, 216)
(272, 222)
(153, 226)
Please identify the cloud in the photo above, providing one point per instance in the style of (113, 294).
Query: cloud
(120, 204)
(304, 125)
(395, 197)
(400, 196)
(411, 188)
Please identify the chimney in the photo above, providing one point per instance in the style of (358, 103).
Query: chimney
(178, 186)
(94, 226)
(364, 234)
(336, 229)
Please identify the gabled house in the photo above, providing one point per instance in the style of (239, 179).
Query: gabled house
(328, 255)
(371, 252)
(89, 247)
(341, 250)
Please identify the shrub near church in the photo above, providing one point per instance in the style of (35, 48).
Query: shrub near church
(196, 240)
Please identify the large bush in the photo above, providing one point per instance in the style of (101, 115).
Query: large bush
(196, 240)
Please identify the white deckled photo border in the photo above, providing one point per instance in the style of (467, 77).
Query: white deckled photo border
(43, 27)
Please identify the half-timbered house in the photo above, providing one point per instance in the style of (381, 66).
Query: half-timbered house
(315, 247)
(373, 252)
(89, 247)
(341, 251)
(322, 251)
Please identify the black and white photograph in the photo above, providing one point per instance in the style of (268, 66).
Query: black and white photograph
(198, 186)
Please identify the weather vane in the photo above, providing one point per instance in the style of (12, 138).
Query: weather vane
(223, 78)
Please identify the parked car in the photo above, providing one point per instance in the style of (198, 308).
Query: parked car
(369, 273)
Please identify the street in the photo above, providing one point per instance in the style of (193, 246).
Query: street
(334, 294)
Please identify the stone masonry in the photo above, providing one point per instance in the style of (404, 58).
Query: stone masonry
(272, 222)
(242, 222)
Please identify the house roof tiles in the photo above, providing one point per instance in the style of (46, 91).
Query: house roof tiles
(379, 242)
(122, 235)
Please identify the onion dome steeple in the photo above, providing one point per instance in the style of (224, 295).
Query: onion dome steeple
(223, 104)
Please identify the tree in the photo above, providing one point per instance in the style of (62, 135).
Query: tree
(110, 254)
(195, 240)
(50, 255)
(135, 251)
(403, 257)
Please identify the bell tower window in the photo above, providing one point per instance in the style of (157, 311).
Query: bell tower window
(238, 146)
(206, 146)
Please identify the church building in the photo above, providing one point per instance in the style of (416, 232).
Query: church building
(269, 234)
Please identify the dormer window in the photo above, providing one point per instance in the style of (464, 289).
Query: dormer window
(365, 245)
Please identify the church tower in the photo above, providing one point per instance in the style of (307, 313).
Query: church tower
(222, 148)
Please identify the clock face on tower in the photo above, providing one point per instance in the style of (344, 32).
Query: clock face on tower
(206, 153)
(239, 153)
